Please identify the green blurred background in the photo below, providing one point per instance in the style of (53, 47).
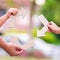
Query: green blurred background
(51, 10)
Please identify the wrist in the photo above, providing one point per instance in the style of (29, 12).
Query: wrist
(5, 47)
(58, 30)
(3, 44)
(7, 15)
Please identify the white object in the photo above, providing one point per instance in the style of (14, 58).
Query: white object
(35, 21)
(43, 20)
(40, 2)
(25, 39)
(26, 46)
(42, 31)
(45, 28)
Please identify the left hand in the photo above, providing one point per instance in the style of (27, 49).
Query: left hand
(13, 50)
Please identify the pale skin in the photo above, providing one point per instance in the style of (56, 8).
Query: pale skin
(11, 49)
(11, 11)
(52, 27)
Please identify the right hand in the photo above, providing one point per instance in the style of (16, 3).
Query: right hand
(12, 11)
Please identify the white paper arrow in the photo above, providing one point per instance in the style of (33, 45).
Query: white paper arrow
(44, 29)
(43, 20)
(25, 46)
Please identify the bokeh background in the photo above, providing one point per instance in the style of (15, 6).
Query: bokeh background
(28, 19)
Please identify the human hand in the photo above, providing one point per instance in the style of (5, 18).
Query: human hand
(52, 27)
(12, 11)
(13, 50)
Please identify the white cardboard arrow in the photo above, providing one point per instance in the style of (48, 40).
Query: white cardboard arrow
(26, 46)
(45, 28)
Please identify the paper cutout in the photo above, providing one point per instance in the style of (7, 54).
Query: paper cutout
(42, 32)
(26, 46)
(43, 20)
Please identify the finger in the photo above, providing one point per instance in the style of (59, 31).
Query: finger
(52, 23)
(11, 12)
(18, 48)
(48, 31)
(49, 28)
(19, 52)
(14, 12)
(48, 24)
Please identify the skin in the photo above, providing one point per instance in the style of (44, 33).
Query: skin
(11, 49)
(11, 11)
(52, 27)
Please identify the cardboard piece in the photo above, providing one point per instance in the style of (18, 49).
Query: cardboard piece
(26, 46)
(44, 21)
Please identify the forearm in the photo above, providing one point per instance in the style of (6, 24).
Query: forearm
(59, 30)
(3, 44)
(3, 19)
(12, 11)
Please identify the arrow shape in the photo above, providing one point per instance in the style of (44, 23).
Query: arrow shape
(26, 46)
(44, 29)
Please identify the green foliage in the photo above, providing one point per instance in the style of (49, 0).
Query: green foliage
(34, 32)
(51, 10)
(51, 38)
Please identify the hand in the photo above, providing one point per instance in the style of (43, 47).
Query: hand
(13, 50)
(12, 11)
(52, 27)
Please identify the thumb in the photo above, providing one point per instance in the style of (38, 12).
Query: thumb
(50, 25)
(49, 28)
(19, 52)
(18, 48)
